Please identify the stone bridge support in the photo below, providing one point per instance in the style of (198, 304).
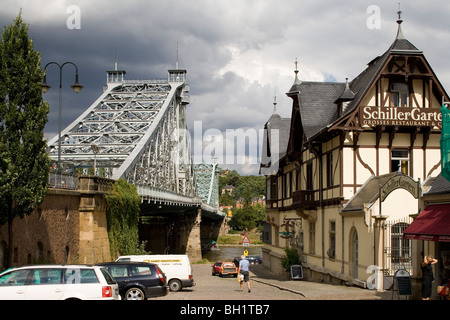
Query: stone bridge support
(177, 230)
(68, 227)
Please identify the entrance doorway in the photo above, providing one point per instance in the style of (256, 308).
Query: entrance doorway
(354, 253)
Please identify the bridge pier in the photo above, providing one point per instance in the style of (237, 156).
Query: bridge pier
(193, 243)
(172, 229)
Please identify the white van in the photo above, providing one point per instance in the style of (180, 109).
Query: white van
(176, 267)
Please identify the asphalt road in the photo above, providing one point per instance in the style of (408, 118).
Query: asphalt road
(210, 287)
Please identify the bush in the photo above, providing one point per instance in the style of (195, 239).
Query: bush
(291, 258)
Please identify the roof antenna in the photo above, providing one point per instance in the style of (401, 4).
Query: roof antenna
(275, 103)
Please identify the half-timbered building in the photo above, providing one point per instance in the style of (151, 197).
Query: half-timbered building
(347, 173)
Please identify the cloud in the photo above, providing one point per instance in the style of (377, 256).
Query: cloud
(238, 53)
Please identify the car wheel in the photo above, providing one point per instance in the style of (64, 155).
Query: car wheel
(175, 285)
(134, 294)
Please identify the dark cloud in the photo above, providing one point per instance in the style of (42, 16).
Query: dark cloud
(238, 53)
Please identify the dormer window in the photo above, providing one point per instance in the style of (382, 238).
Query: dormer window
(399, 95)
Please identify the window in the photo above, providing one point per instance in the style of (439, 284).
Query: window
(400, 160)
(46, 276)
(309, 176)
(399, 95)
(119, 271)
(141, 271)
(312, 237)
(329, 169)
(76, 276)
(15, 278)
(332, 233)
(274, 188)
(266, 234)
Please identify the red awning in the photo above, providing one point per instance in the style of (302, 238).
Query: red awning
(432, 224)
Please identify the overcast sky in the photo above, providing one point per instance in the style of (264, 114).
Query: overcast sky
(238, 53)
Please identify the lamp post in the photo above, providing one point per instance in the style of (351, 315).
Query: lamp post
(76, 87)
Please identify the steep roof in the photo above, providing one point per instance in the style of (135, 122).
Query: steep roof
(437, 185)
(274, 127)
(318, 101)
(317, 105)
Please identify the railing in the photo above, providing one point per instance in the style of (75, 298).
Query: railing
(61, 181)
(304, 199)
(166, 197)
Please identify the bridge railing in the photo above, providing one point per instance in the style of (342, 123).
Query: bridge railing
(62, 181)
(166, 197)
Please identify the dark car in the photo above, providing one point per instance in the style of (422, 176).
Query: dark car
(138, 280)
(216, 268)
(254, 259)
(251, 259)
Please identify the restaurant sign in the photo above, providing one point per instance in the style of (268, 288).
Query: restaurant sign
(400, 181)
(400, 116)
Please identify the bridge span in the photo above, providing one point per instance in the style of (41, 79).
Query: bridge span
(136, 130)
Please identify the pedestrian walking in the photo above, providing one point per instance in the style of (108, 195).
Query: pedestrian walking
(427, 276)
(244, 270)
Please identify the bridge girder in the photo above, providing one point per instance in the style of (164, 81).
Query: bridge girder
(136, 130)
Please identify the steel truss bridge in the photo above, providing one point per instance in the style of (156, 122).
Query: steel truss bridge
(136, 130)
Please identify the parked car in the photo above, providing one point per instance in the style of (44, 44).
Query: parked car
(58, 282)
(251, 259)
(216, 268)
(254, 259)
(228, 269)
(176, 267)
(138, 280)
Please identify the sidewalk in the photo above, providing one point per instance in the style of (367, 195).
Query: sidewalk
(316, 291)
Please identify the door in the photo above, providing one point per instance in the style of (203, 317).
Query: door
(355, 254)
(45, 284)
(13, 285)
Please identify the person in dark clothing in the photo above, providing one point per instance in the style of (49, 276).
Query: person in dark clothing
(427, 276)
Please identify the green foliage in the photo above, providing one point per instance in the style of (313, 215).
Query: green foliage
(255, 184)
(291, 258)
(248, 217)
(122, 216)
(24, 163)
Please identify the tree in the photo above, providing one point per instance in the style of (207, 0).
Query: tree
(24, 163)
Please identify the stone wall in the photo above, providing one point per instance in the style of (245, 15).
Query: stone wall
(68, 227)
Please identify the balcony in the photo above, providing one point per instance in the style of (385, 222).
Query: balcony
(304, 200)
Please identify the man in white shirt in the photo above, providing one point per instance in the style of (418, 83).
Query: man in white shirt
(243, 268)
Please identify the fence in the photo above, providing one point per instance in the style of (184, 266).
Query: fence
(60, 181)
(398, 251)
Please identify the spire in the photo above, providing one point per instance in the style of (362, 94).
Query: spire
(399, 21)
(275, 104)
(297, 81)
(295, 87)
(347, 94)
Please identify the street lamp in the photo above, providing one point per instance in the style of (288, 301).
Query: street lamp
(76, 87)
